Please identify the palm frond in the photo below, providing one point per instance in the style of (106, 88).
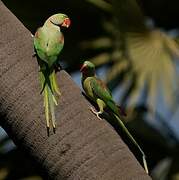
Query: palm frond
(99, 43)
(100, 59)
(171, 45)
(118, 67)
(151, 62)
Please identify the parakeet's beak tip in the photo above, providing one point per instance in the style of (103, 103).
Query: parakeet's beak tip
(82, 67)
(66, 23)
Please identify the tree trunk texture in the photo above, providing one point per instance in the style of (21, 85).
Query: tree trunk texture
(83, 147)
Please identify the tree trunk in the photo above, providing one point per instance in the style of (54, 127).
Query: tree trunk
(83, 147)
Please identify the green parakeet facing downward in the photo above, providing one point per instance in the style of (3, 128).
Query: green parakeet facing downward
(98, 92)
(48, 43)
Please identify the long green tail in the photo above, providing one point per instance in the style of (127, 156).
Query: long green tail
(134, 141)
(49, 88)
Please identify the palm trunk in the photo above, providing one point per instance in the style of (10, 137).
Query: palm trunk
(83, 147)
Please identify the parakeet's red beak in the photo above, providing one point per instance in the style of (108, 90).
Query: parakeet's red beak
(66, 23)
(82, 67)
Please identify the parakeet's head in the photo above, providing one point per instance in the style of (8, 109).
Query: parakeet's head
(88, 68)
(60, 20)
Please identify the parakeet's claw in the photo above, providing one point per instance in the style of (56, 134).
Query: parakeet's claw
(97, 113)
(32, 35)
(58, 67)
(34, 55)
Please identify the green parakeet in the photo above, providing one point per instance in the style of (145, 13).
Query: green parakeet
(98, 92)
(48, 43)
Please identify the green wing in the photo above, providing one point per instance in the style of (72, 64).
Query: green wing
(39, 44)
(100, 89)
(102, 92)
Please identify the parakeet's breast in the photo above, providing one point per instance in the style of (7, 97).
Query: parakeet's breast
(87, 88)
(48, 44)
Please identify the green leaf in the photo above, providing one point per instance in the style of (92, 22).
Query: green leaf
(99, 43)
(153, 64)
(100, 59)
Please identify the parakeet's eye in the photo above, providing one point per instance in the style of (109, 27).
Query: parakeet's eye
(66, 22)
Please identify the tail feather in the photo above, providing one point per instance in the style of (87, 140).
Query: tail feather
(134, 142)
(49, 98)
(54, 83)
(52, 104)
(116, 108)
(112, 106)
(46, 105)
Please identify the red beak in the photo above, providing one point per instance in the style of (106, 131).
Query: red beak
(82, 67)
(66, 23)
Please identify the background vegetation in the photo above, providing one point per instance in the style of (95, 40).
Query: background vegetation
(134, 44)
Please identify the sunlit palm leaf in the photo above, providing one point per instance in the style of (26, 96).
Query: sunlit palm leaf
(102, 42)
(100, 59)
(153, 64)
(116, 69)
(135, 93)
(171, 45)
(115, 75)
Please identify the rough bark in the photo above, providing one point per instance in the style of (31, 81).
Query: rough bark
(83, 147)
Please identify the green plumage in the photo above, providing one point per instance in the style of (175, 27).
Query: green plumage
(48, 43)
(98, 92)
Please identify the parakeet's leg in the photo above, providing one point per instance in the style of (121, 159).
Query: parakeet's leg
(54, 83)
(101, 106)
(96, 113)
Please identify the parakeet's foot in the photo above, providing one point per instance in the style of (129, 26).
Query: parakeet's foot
(58, 67)
(34, 55)
(32, 35)
(97, 113)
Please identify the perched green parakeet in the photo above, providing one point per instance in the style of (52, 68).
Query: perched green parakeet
(98, 92)
(48, 43)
